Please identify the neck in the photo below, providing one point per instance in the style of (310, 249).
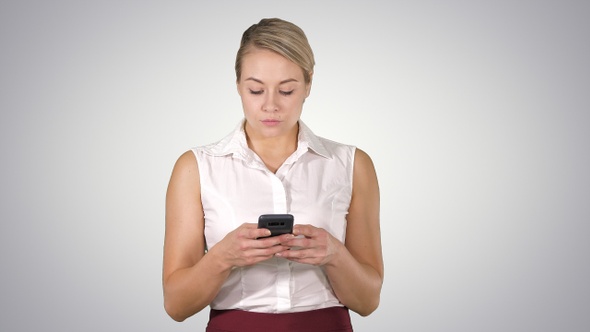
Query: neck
(273, 150)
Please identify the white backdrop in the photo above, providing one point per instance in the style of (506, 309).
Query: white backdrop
(476, 114)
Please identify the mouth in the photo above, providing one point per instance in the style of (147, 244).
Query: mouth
(271, 122)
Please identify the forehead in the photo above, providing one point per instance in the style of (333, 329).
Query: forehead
(269, 66)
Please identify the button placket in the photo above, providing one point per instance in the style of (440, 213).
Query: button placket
(283, 285)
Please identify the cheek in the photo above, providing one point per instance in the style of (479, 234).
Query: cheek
(296, 103)
(248, 102)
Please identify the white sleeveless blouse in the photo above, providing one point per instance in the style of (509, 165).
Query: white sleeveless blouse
(314, 185)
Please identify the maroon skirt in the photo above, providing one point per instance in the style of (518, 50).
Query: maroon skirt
(335, 319)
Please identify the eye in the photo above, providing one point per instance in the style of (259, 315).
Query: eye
(255, 92)
(286, 93)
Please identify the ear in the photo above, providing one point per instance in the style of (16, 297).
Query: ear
(308, 86)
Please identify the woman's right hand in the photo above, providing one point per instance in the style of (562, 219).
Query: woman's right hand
(244, 246)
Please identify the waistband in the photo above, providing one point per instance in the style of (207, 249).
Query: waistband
(334, 319)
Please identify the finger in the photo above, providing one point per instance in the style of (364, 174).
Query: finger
(261, 233)
(285, 237)
(253, 232)
(255, 256)
(305, 230)
(298, 242)
(296, 255)
(266, 253)
(268, 242)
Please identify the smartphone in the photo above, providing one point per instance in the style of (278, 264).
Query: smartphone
(277, 223)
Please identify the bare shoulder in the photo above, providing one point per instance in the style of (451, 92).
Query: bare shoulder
(186, 163)
(365, 189)
(363, 214)
(364, 169)
(184, 186)
(184, 243)
(185, 172)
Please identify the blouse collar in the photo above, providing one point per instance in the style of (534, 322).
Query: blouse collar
(235, 144)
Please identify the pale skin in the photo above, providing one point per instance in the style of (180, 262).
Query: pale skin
(272, 90)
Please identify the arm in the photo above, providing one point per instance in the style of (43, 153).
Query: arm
(188, 287)
(191, 278)
(361, 264)
(355, 268)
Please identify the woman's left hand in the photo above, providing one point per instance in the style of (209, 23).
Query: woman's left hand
(312, 245)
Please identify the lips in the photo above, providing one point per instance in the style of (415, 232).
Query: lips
(271, 122)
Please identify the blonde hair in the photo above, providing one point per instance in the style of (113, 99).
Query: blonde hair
(282, 37)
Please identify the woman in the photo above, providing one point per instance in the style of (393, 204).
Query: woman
(214, 253)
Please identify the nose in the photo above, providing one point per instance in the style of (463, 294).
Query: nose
(270, 104)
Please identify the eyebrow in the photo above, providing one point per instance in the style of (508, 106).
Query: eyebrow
(282, 82)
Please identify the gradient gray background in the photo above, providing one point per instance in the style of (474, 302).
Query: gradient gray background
(476, 114)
